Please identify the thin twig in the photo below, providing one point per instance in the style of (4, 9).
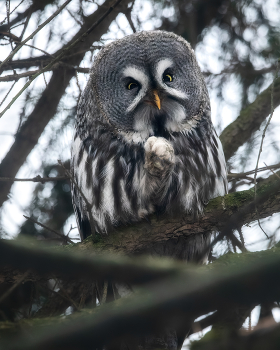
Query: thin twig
(67, 239)
(264, 131)
(74, 18)
(79, 86)
(7, 94)
(65, 297)
(16, 77)
(8, 18)
(45, 80)
(68, 297)
(88, 204)
(13, 287)
(37, 48)
(37, 61)
(261, 145)
(37, 178)
(71, 228)
(272, 171)
(35, 32)
(25, 26)
(20, 24)
(233, 176)
(127, 14)
(11, 12)
(235, 220)
(63, 53)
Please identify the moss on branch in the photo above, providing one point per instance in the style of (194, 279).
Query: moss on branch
(141, 237)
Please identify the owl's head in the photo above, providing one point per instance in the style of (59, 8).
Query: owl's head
(149, 83)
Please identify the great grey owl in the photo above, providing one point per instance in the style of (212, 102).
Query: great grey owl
(144, 141)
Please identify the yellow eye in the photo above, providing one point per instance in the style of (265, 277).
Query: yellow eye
(167, 78)
(131, 86)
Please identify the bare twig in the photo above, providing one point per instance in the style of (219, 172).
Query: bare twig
(13, 287)
(16, 77)
(273, 171)
(74, 18)
(71, 228)
(37, 178)
(11, 12)
(264, 131)
(79, 86)
(67, 296)
(7, 94)
(35, 32)
(261, 145)
(63, 295)
(10, 36)
(67, 239)
(8, 18)
(37, 48)
(235, 220)
(37, 61)
(25, 25)
(88, 204)
(64, 51)
(233, 176)
(127, 14)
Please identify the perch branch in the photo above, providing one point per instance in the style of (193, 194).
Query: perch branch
(138, 239)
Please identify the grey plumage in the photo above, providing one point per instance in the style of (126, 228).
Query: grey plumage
(130, 158)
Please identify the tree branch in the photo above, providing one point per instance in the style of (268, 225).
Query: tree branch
(234, 279)
(237, 176)
(137, 239)
(46, 107)
(146, 237)
(34, 33)
(63, 237)
(249, 120)
(15, 77)
(37, 178)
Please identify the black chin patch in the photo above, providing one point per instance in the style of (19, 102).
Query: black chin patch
(158, 125)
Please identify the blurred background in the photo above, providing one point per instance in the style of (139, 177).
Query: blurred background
(237, 45)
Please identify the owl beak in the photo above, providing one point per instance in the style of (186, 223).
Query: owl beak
(156, 99)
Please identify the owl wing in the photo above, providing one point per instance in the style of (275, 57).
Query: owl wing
(81, 215)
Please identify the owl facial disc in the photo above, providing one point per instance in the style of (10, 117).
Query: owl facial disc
(150, 84)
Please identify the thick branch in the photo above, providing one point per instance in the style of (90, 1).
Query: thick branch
(145, 237)
(249, 120)
(235, 279)
(139, 238)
